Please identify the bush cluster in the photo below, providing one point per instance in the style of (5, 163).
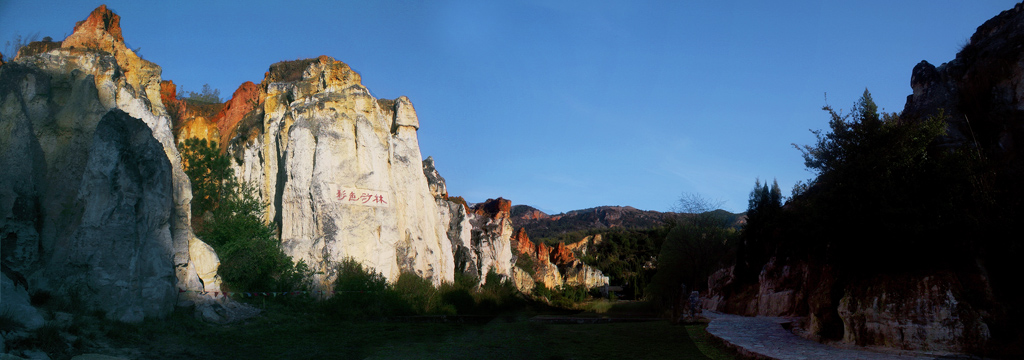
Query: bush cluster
(228, 216)
(362, 293)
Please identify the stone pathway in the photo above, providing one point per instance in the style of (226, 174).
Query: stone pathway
(764, 337)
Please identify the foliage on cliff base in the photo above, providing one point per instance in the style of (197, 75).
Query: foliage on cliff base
(889, 198)
(361, 293)
(228, 216)
(700, 241)
(886, 197)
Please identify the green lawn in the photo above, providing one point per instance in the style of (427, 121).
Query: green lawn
(288, 334)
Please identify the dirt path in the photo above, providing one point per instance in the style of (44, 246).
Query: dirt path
(764, 337)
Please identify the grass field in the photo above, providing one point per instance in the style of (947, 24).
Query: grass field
(282, 333)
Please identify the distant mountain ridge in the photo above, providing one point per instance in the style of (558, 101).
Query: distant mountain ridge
(540, 225)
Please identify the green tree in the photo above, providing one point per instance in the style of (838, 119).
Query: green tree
(701, 242)
(209, 171)
(207, 95)
(228, 216)
(763, 210)
(11, 47)
(880, 177)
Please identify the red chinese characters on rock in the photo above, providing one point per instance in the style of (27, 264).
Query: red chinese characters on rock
(361, 197)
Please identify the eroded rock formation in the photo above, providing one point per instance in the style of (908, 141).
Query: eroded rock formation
(491, 236)
(341, 172)
(59, 163)
(555, 266)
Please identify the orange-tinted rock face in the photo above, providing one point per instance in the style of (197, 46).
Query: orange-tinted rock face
(244, 100)
(201, 128)
(175, 107)
(562, 255)
(494, 208)
(1, 59)
(523, 244)
(543, 253)
(93, 32)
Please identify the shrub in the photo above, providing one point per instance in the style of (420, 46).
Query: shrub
(40, 298)
(209, 172)
(48, 339)
(8, 323)
(362, 293)
(567, 296)
(540, 290)
(207, 95)
(251, 256)
(421, 296)
(250, 252)
(526, 262)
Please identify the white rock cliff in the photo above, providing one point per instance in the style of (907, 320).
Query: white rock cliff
(341, 173)
(52, 99)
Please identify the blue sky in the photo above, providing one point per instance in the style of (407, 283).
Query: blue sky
(574, 104)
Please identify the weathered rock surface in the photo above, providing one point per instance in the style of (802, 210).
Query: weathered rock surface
(920, 312)
(556, 266)
(912, 313)
(51, 105)
(202, 128)
(455, 218)
(491, 237)
(342, 173)
(244, 101)
(191, 119)
(126, 196)
(16, 303)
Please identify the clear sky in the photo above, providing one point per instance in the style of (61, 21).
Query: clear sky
(568, 105)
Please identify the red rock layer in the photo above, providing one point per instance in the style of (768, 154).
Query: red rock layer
(521, 242)
(175, 107)
(494, 208)
(245, 99)
(562, 255)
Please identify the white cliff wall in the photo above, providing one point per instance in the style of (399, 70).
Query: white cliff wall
(341, 174)
(51, 102)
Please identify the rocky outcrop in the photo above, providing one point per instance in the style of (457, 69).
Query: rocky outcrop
(244, 101)
(911, 312)
(491, 236)
(584, 245)
(126, 199)
(555, 267)
(455, 218)
(191, 119)
(51, 106)
(341, 173)
(979, 90)
(200, 127)
(17, 306)
(561, 255)
(176, 108)
(541, 225)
